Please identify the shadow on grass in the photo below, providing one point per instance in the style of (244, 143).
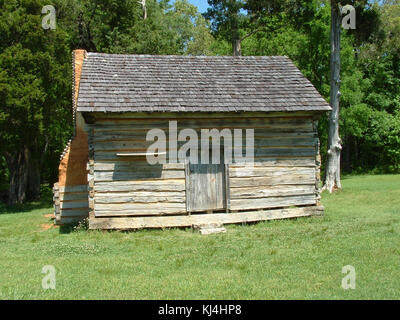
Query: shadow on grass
(65, 229)
(45, 201)
(81, 225)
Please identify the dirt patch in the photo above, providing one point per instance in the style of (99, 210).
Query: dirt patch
(46, 226)
(49, 215)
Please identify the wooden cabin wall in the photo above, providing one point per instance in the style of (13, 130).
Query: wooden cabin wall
(284, 172)
(70, 203)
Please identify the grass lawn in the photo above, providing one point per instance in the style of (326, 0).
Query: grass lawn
(287, 259)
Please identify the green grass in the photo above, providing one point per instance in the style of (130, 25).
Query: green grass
(287, 259)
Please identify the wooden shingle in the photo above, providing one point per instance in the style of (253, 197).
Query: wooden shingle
(140, 83)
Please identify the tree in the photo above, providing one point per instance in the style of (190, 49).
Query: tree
(34, 94)
(35, 70)
(237, 20)
(191, 28)
(332, 174)
(227, 20)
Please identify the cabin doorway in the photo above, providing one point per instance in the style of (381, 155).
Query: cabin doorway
(206, 186)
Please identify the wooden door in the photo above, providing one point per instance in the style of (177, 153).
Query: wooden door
(206, 188)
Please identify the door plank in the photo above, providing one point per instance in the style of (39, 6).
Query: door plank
(207, 187)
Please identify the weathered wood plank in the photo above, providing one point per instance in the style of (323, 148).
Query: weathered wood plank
(276, 163)
(280, 160)
(140, 212)
(73, 204)
(67, 189)
(289, 128)
(75, 212)
(141, 185)
(258, 152)
(129, 197)
(268, 172)
(73, 196)
(126, 166)
(227, 188)
(133, 175)
(70, 220)
(130, 139)
(151, 206)
(198, 219)
(140, 135)
(149, 123)
(188, 187)
(128, 145)
(271, 191)
(205, 115)
(273, 202)
(271, 181)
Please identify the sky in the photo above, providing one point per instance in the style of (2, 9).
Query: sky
(201, 4)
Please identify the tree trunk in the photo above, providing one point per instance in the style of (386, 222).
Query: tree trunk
(348, 147)
(235, 34)
(18, 167)
(237, 48)
(332, 175)
(356, 153)
(33, 187)
(144, 8)
(35, 164)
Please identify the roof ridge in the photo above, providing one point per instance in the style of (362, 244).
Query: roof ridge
(183, 56)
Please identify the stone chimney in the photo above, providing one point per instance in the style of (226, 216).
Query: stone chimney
(78, 56)
(72, 168)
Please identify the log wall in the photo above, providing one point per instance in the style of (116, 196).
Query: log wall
(284, 172)
(70, 203)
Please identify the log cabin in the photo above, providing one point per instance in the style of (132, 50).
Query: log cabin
(105, 174)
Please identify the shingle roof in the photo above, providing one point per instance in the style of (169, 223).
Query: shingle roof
(139, 83)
